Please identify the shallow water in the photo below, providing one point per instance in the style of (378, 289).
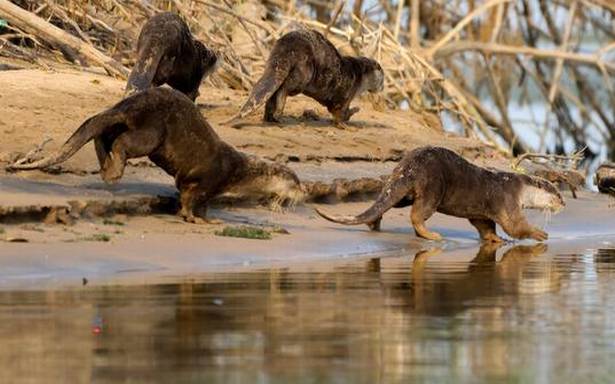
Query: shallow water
(518, 315)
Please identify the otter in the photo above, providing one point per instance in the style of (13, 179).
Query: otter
(304, 61)
(168, 53)
(435, 179)
(166, 126)
(605, 178)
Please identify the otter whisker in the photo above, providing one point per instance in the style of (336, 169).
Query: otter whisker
(276, 204)
(546, 217)
(292, 203)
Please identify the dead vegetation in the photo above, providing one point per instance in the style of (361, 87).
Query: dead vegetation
(472, 62)
(558, 169)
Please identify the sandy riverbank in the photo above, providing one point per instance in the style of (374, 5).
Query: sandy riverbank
(147, 242)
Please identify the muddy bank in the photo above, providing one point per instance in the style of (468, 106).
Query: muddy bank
(63, 199)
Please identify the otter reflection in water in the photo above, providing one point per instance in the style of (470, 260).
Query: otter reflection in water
(444, 288)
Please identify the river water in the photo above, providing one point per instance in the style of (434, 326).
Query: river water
(519, 314)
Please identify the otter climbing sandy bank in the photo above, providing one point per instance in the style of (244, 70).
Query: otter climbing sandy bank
(166, 126)
(435, 179)
(167, 53)
(304, 61)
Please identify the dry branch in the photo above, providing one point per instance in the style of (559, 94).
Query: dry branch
(457, 29)
(537, 53)
(560, 62)
(49, 32)
(573, 159)
(415, 21)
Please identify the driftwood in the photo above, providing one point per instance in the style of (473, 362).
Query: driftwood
(54, 35)
(559, 169)
(573, 179)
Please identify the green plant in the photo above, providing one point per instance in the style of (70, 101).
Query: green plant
(112, 222)
(98, 237)
(245, 232)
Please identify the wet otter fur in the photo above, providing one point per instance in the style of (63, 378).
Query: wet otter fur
(167, 53)
(304, 61)
(605, 178)
(166, 126)
(435, 179)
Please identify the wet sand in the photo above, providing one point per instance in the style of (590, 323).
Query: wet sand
(154, 248)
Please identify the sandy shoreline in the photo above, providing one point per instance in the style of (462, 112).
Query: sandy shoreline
(148, 243)
(159, 248)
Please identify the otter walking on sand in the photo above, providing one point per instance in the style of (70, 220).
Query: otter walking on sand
(168, 53)
(435, 179)
(304, 61)
(166, 126)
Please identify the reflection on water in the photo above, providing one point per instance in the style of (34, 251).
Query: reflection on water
(512, 315)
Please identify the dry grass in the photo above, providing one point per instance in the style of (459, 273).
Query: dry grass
(447, 48)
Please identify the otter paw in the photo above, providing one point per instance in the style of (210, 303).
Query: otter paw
(109, 177)
(539, 235)
(112, 170)
(195, 220)
(341, 125)
(199, 220)
(272, 119)
(374, 226)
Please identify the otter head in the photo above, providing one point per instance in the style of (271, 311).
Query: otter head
(266, 180)
(372, 75)
(209, 59)
(538, 193)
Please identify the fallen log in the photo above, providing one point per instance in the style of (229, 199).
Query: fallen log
(46, 31)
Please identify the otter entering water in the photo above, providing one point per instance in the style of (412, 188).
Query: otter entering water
(435, 179)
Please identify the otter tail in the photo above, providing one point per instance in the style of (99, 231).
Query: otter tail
(266, 86)
(91, 128)
(143, 72)
(391, 194)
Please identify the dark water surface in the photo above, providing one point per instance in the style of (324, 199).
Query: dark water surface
(516, 316)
